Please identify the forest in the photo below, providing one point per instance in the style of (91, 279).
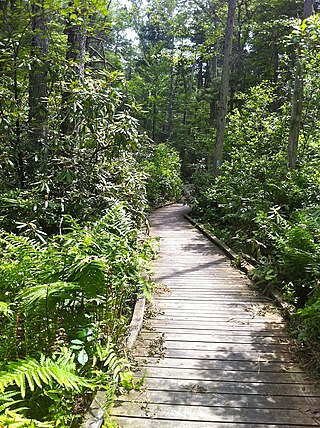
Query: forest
(109, 107)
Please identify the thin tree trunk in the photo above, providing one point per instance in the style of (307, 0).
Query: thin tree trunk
(308, 8)
(77, 37)
(297, 100)
(213, 101)
(76, 51)
(38, 90)
(185, 89)
(224, 89)
(19, 157)
(154, 118)
(170, 104)
(200, 73)
(275, 54)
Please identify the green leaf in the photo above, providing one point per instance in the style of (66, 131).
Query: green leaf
(83, 357)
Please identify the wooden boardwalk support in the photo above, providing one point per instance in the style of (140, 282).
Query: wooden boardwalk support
(215, 354)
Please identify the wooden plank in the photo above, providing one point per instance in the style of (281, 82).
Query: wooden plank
(226, 375)
(204, 336)
(225, 317)
(145, 422)
(224, 387)
(221, 400)
(218, 323)
(216, 414)
(199, 313)
(213, 329)
(211, 307)
(232, 347)
(211, 364)
(253, 355)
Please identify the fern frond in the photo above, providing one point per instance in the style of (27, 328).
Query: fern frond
(13, 419)
(40, 293)
(8, 400)
(112, 363)
(116, 221)
(20, 245)
(29, 373)
(90, 273)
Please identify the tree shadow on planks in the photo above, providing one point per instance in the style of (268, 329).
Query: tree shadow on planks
(170, 219)
(205, 248)
(186, 269)
(252, 381)
(246, 382)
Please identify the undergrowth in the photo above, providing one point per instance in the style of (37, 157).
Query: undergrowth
(65, 305)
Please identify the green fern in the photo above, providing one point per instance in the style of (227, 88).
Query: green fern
(13, 419)
(38, 294)
(7, 400)
(20, 245)
(31, 373)
(118, 369)
(90, 273)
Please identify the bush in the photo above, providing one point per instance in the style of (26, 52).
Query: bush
(164, 182)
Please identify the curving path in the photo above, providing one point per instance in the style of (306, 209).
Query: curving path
(215, 354)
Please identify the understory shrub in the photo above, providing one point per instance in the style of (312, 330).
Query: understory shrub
(164, 181)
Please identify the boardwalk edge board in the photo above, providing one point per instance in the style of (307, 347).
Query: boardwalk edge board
(246, 267)
(94, 417)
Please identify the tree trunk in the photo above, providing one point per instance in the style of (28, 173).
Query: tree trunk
(222, 108)
(170, 104)
(77, 38)
(308, 8)
(38, 90)
(76, 51)
(275, 54)
(297, 100)
(214, 74)
(200, 73)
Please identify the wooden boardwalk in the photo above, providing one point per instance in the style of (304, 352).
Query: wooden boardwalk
(215, 354)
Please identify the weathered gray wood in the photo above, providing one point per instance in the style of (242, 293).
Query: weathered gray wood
(227, 375)
(253, 355)
(215, 353)
(136, 322)
(94, 416)
(216, 414)
(241, 388)
(242, 330)
(213, 400)
(210, 364)
(169, 423)
(221, 346)
(227, 318)
(201, 336)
